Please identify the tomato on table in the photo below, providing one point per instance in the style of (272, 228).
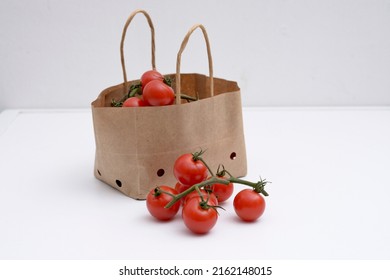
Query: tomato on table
(249, 205)
(157, 199)
(199, 217)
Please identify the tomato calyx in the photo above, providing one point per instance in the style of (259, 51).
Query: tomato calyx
(157, 198)
(158, 191)
(223, 172)
(204, 201)
(198, 156)
(204, 205)
(259, 187)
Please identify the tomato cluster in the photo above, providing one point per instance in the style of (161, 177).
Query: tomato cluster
(152, 90)
(198, 192)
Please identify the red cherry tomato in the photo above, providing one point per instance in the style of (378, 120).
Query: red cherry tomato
(221, 191)
(189, 171)
(179, 187)
(150, 75)
(211, 196)
(157, 93)
(197, 218)
(134, 102)
(156, 201)
(249, 205)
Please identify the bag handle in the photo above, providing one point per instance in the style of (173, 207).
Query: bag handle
(178, 61)
(130, 18)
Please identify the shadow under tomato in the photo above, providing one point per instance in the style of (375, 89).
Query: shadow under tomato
(238, 220)
(186, 232)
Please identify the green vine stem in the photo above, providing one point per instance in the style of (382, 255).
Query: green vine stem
(133, 91)
(198, 156)
(188, 97)
(257, 186)
(158, 191)
(211, 181)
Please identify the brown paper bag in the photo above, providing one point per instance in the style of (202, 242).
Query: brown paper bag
(136, 147)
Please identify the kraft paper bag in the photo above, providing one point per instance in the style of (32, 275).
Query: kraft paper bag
(136, 147)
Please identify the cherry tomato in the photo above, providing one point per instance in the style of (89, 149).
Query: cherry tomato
(211, 196)
(199, 218)
(249, 205)
(157, 93)
(189, 171)
(221, 191)
(179, 187)
(150, 75)
(156, 201)
(134, 102)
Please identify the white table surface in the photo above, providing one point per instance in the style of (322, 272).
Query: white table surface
(329, 197)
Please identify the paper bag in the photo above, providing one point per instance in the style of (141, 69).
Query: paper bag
(136, 147)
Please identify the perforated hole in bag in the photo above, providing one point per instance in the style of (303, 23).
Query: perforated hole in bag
(233, 156)
(98, 171)
(118, 183)
(160, 172)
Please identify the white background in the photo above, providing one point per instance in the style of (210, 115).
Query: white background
(328, 167)
(329, 196)
(62, 54)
